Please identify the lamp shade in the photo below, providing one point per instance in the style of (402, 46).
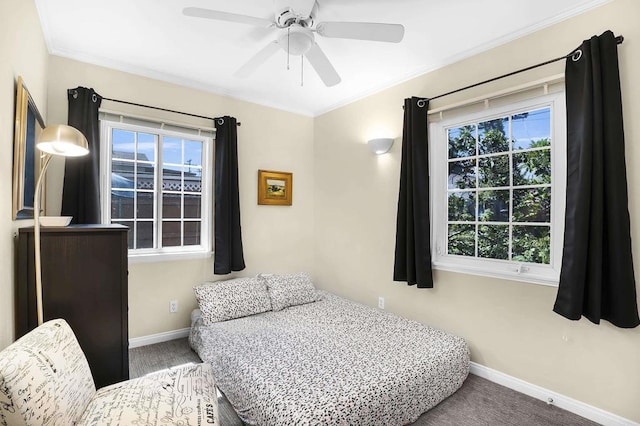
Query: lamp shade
(380, 145)
(63, 140)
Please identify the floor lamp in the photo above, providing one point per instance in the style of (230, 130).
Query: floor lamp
(59, 140)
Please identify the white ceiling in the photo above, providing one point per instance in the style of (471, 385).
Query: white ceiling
(154, 39)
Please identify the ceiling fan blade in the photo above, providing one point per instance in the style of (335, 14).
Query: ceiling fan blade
(323, 67)
(258, 59)
(392, 33)
(198, 12)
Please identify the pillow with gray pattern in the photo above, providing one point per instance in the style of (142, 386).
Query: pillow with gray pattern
(229, 299)
(289, 289)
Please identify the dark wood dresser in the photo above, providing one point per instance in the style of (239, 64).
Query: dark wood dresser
(84, 281)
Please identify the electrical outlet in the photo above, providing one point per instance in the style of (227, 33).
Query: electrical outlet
(381, 302)
(173, 306)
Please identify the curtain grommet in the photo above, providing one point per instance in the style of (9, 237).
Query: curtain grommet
(576, 55)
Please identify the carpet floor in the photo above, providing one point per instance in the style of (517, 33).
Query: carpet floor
(478, 402)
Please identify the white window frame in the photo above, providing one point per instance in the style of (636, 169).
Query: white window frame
(203, 250)
(438, 155)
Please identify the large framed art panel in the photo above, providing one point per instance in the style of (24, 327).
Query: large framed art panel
(26, 162)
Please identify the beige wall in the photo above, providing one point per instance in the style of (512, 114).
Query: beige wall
(275, 238)
(509, 325)
(23, 53)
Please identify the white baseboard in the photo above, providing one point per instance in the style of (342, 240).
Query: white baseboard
(136, 342)
(550, 397)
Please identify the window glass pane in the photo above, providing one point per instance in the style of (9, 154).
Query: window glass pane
(462, 240)
(531, 244)
(146, 147)
(129, 234)
(493, 171)
(145, 176)
(192, 233)
(144, 202)
(532, 167)
(192, 153)
(531, 129)
(172, 178)
(493, 206)
(462, 141)
(192, 206)
(122, 204)
(498, 191)
(171, 205)
(462, 174)
(122, 174)
(171, 234)
(172, 150)
(532, 205)
(123, 144)
(492, 136)
(493, 241)
(462, 206)
(136, 197)
(192, 179)
(144, 235)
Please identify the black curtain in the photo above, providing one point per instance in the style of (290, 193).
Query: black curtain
(597, 278)
(228, 237)
(413, 238)
(81, 191)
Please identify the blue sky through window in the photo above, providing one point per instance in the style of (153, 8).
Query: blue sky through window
(536, 125)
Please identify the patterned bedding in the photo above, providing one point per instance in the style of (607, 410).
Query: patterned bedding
(331, 362)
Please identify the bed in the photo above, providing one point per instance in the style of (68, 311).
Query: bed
(327, 362)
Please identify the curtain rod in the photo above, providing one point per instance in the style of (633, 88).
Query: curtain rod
(165, 109)
(619, 40)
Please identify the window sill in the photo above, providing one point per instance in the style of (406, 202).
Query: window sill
(168, 257)
(526, 277)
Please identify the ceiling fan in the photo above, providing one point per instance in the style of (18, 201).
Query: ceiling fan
(295, 20)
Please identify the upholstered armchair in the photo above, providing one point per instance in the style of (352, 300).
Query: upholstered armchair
(45, 380)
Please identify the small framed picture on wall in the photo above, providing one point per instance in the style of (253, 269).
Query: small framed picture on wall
(275, 188)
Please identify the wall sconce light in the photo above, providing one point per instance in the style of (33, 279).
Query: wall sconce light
(59, 140)
(380, 145)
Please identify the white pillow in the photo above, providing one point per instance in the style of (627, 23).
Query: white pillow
(229, 299)
(289, 290)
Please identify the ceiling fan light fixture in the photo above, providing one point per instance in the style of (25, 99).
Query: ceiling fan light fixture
(297, 40)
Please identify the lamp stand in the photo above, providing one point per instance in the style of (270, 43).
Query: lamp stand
(36, 236)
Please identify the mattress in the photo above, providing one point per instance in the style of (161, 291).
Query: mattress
(331, 362)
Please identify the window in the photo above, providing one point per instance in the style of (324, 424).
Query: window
(498, 184)
(157, 182)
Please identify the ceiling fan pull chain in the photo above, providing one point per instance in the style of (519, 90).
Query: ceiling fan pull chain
(288, 50)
